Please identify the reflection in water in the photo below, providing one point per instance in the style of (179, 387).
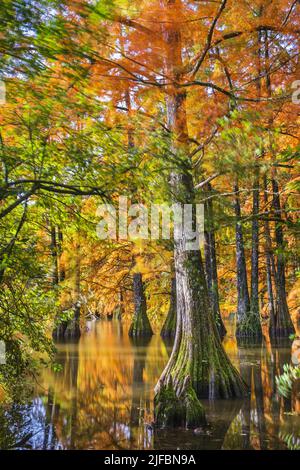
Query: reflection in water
(103, 399)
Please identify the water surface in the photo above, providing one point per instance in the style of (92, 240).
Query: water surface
(103, 399)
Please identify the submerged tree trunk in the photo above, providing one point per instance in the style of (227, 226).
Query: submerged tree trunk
(59, 325)
(243, 300)
(270, 266)
(283, 323)
(211, 265)
(54, 255)
(140, 326)
(73, 330)
(198, 366)
(59, 329)
(169, 327)
(120, 307)
(62, 271)
(254, 303)
(254, 300)
(254, 249)
(66, 328)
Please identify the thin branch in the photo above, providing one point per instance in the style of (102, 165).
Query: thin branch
(209, 38)
(19, 201)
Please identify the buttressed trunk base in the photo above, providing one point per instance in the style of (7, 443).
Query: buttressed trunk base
(140, 326)
(248, 321)
(198, 366)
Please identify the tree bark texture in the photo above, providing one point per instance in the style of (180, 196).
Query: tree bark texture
(198, 366)
(140, 326)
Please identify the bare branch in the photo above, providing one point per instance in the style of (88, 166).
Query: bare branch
(209, 38)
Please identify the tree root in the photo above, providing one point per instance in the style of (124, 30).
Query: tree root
(182, 410)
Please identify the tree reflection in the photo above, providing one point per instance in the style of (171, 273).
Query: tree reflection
(103, 399)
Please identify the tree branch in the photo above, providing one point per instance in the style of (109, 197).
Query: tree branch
(209, 38)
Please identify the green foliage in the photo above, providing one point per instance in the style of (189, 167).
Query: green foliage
(285, 381)
(292, 441)
(24, 34)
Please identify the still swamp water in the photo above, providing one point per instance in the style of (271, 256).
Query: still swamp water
(102, 398)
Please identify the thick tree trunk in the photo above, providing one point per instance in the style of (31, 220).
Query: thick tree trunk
(120, 307)
(211, 265)
(254, 299)
(169, 327)
(198, 366)
(207, 257)
(283, 324)
(73, 330)
(243, 300)
(66, 328)
(255, 329)
(270, 266)
(140, 326)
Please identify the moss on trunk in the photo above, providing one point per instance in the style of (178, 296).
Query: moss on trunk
(198, 366)
(283, 325)
(178, 409)
(248, 321)
(169, 327)
(249, 326)
(211, 270)
(198, 358)
(140, 325)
